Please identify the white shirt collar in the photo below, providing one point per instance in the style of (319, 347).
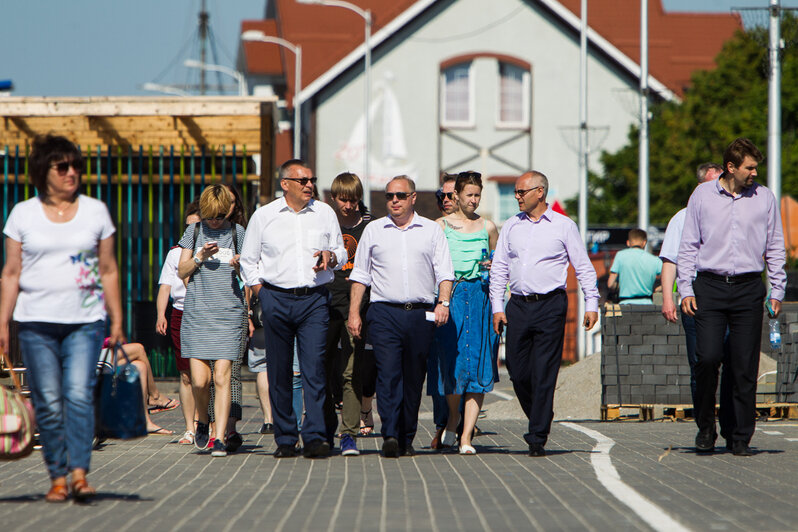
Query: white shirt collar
(283, 205)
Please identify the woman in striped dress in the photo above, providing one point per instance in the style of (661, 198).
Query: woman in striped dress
(214, 328)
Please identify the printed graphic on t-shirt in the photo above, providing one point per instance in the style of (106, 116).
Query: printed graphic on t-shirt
(88, 279)
(350, 243)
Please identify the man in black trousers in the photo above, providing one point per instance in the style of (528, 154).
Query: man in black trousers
(732, 229)
(291, 248)
(403, 257)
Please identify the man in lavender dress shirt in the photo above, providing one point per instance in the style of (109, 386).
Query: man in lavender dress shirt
(404, 257)
(533, 252)
(732, 228)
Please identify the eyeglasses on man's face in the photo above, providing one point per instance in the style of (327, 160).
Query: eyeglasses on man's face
(521, 192)
(217, 218)
(399, 195)
(63, 167)
(303, 181)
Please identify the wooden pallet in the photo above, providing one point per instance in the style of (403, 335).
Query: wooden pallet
(612, 412)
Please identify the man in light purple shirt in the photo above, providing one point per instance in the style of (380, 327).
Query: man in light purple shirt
(404, 258)
(532, 254)
(732, 229)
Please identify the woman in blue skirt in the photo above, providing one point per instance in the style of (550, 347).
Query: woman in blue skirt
(467, 342)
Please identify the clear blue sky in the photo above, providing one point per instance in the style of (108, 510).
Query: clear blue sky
(110, 47)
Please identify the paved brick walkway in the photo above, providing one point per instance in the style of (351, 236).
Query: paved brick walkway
(152, 483)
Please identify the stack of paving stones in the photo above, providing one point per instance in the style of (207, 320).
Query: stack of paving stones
(643, 358)
(786, 389)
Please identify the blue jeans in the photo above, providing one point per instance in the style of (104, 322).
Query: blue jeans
(61, 361)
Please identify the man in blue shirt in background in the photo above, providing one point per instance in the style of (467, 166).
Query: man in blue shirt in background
(636, 270)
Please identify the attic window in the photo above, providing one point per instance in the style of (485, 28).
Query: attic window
(457, 96)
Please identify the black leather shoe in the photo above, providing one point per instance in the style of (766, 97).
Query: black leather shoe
(317, 449)
(536, 450)
(285, 451)
(741, 448)
(407, 451)
(729, 444)
(705, 441)
(390, 448)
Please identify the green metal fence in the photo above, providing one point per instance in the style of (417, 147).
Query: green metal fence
(146, 191)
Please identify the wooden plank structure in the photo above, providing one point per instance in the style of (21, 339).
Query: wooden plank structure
(123, 123)
(612, 412)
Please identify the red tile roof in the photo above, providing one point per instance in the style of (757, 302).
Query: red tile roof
(679, 43)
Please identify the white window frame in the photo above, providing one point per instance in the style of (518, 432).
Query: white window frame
(471, 121)
(501, 218)
(525, 98)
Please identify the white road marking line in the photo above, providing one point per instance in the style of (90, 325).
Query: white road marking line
(502, 395)
(653, 515)
(791, 439)
(772, 432)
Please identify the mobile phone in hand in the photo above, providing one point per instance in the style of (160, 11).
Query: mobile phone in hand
(321, 258)
(213, 242)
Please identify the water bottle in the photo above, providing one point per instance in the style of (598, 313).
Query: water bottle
(484, 272)
(775, 334)
(130, 373)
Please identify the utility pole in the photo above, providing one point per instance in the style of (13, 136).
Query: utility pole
(642, 172)
(203, 35)
(774, 101)
(583, 151)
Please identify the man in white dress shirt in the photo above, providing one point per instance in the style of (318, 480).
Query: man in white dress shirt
(291, 248)
(403, 257)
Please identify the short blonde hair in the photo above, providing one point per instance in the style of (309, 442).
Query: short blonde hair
(347, 186)
(214, 201)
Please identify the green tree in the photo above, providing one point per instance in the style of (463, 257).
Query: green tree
(722, 104)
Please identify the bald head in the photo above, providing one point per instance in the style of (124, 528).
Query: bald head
(534, 178)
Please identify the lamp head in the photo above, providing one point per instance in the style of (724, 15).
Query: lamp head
(252, 35)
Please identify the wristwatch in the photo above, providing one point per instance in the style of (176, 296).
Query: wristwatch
(197, 261)
(444, 302)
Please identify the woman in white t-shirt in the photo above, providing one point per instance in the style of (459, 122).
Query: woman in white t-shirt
(59, 279)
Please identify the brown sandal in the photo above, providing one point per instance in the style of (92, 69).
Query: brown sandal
(57, 493)
(81, 490)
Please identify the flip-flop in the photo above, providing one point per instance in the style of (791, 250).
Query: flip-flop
(161, 432)
(171, 404)
(467, 449)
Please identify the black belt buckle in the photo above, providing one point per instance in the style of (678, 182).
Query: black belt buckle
(408, 306)
(303, 291)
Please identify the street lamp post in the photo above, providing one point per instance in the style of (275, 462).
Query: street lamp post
(242, 82)
(366, 15)
(259, 36)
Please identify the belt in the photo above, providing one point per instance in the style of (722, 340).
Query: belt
(301, 291)
(731, 279)
(539, 297)
(409, 306)
(647, 296)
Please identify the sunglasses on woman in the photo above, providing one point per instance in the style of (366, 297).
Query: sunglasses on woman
(63, 167)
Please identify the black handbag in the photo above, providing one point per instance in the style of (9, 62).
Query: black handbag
(120, 405)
